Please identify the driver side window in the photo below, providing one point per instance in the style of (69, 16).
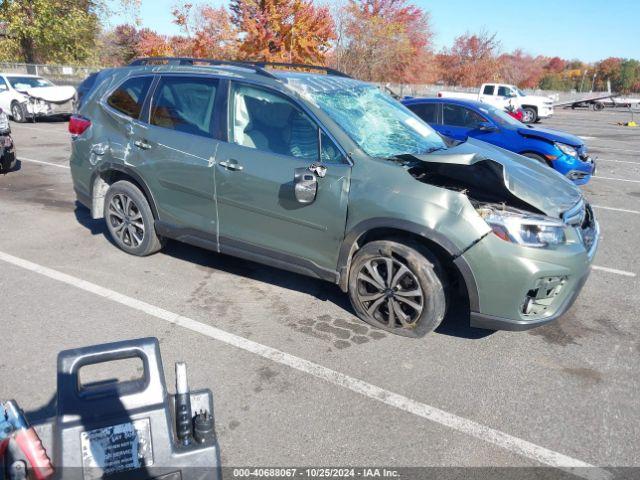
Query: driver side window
(269, 122)
(458, 116)
(3, 85)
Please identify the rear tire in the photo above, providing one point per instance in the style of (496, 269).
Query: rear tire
(398, 287)
(130, 220)
(529, 115)
(17, 113)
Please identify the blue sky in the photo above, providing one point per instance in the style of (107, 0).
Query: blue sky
(586, 29)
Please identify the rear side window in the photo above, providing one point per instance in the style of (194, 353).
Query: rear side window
(426, 111)
(458, 116)
(129, 97)
(185, 104)
(489, 89)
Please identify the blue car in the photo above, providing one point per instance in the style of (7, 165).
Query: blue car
(459, 119)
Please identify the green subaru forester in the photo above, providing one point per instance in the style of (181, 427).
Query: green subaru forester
(324, 175)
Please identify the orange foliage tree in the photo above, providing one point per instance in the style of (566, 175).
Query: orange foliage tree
(208, 32)
(471, 61)
(383, 41)
(293, 31)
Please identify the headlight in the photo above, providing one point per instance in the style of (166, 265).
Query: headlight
(523, 228)
(4, 122)
(567, 149)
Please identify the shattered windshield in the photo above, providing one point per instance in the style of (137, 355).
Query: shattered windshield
(23, 83)
(380, 125)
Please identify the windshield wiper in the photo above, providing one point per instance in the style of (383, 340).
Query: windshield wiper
(434, 149)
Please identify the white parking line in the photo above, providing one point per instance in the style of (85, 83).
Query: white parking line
(616, 179)
(617, 209)
(617, 161)
(392, 399)
(23, 159)
(614, 270)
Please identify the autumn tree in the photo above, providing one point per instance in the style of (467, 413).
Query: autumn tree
(472, 60)
(119, 46)
(152, 44)
(521, 69)
(294, 31)
(208, 32)
(384, 40)
(39, 31)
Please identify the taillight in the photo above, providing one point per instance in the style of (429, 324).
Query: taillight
(78, 125)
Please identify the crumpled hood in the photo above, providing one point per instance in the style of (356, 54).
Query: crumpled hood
(538, 185)
(551, 135)
(55, 94)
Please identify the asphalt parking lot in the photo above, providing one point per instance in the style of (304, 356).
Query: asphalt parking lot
(298, 380)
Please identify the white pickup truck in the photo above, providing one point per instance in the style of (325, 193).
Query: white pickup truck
(502, 95)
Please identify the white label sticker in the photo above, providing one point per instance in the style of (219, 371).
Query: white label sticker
(116, 448)
(418, 127)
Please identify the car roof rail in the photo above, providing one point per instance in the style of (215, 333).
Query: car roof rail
(258, 66)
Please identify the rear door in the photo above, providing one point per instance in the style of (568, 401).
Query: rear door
(124, 122)
(270, 139)
(459, 122)
(179, 148)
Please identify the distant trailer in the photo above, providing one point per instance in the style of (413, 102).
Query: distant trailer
(620, 102)
(595, 102)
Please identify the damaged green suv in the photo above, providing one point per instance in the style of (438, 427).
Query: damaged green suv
(327, 176)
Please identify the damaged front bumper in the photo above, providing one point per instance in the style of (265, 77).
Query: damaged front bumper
(38, 108)
(520, 288)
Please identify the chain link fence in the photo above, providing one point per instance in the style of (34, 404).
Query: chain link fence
(58, 74)
(73, 75)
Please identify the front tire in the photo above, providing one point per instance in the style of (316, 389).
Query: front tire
(537, 157)
(129, 220)
(398, 287)
(18, 113)
(529, 115)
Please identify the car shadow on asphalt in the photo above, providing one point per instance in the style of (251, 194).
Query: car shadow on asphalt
(455, 324)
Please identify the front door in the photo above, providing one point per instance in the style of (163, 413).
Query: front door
(458, 121)
(180, 147)
(271, 138)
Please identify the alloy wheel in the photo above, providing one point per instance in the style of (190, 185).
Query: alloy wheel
(126, 220)
(16, 113)
(390, 292)
(528, 116)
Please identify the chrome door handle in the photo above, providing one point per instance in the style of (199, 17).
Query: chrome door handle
(142, 144)
(232, 165)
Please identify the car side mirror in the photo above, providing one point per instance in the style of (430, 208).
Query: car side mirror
(3, 88)
(487, 127)
(305, 185)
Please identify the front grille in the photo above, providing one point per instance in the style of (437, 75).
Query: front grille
(581, 217)
(588, 229)
(575, 215)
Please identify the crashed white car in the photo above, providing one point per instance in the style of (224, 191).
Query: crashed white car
(29, 97)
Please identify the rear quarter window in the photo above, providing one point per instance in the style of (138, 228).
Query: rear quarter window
(129, 97)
